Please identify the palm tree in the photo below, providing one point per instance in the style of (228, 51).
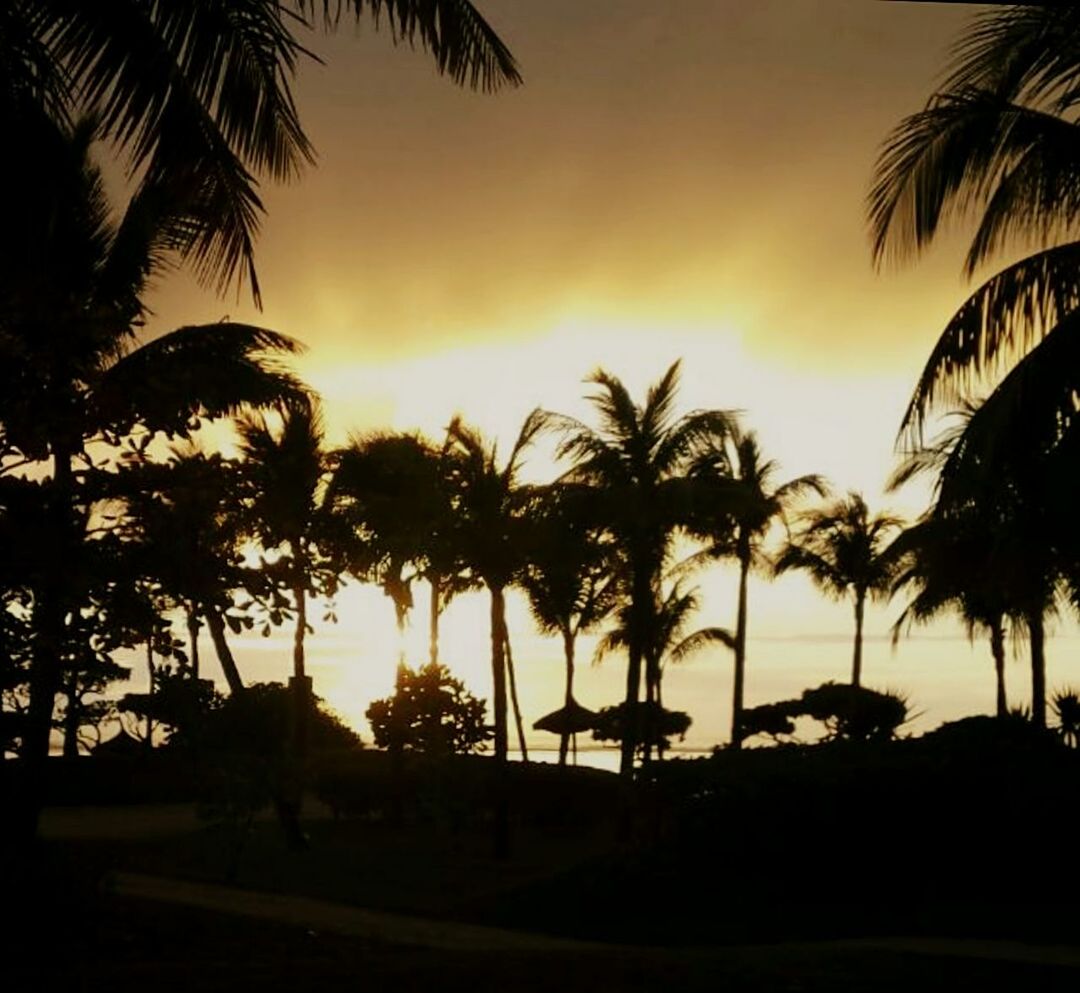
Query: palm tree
(491, 524)
(997, 140)
(748, 504)
(71, 376)
(394, 489)
(569, 578)
(636, 465)
(186, 519)
(490, 505)
(668, 641)
(842, 548)
(198, 95)
(949, 564)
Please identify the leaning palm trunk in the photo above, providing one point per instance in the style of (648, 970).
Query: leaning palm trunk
(856, 664)
(512, 679)
(498, 702)
(1038, 667)
(740, 656)
(997, 648)
(216, 624)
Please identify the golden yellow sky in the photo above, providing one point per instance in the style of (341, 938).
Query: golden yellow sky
(673, 180)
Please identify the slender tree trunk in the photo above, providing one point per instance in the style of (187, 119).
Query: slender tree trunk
(498, 702)
(856, 665)
(46, 672)
(71, 717)
(151, 671)
(568, 652)
(216, 625)
(512, 678)
(1038, 668)
(433, 618)
(193, 638)
(641, 600)
(740, 654)
(997, 648)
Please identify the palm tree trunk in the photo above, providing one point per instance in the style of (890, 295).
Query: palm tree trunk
(46, 673)
(856, 665)
(193, 639)
(568, 652)
(641, 600)
(1038, 668)
(151, 671)
(997, 648)
(740, 654)
(433, 619)
(512, 678)
(71, 717)
(216, 625)
(498, 702)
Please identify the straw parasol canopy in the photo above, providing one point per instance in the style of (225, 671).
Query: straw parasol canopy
(571, 718)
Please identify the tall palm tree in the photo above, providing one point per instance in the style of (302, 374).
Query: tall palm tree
(636, 464)
(569, 578)
(490, 505)
(72, 373)
(749, 503)
(843, 550)
(198, 94)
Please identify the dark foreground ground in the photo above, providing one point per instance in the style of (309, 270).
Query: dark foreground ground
(934, 866)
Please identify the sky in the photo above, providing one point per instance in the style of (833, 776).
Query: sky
(672, 181)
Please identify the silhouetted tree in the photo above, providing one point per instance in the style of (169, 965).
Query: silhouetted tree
(70, 374)
(667, 641)
(749, 504)
(636, 466)
(569, 576)
(490, 503)
(842, 548)
(198, 95)
(430, 712)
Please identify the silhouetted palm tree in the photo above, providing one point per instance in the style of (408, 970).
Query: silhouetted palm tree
(186, 517)
(668, 641)
(490, 508)
(843, 550)
(749, 503)
(71, 280)
(199, 94)
(395, 490)
(948, 563)
(636, 465)
(998, 140)
(569, 577)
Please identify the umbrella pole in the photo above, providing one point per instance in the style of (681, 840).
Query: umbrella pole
(573, 741)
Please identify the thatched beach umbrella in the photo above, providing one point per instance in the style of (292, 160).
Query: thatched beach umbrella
(568, 719)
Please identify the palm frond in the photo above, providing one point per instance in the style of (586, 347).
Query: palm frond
(700, 639)
(212, 370)
(464, 45)
(1001, 320)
